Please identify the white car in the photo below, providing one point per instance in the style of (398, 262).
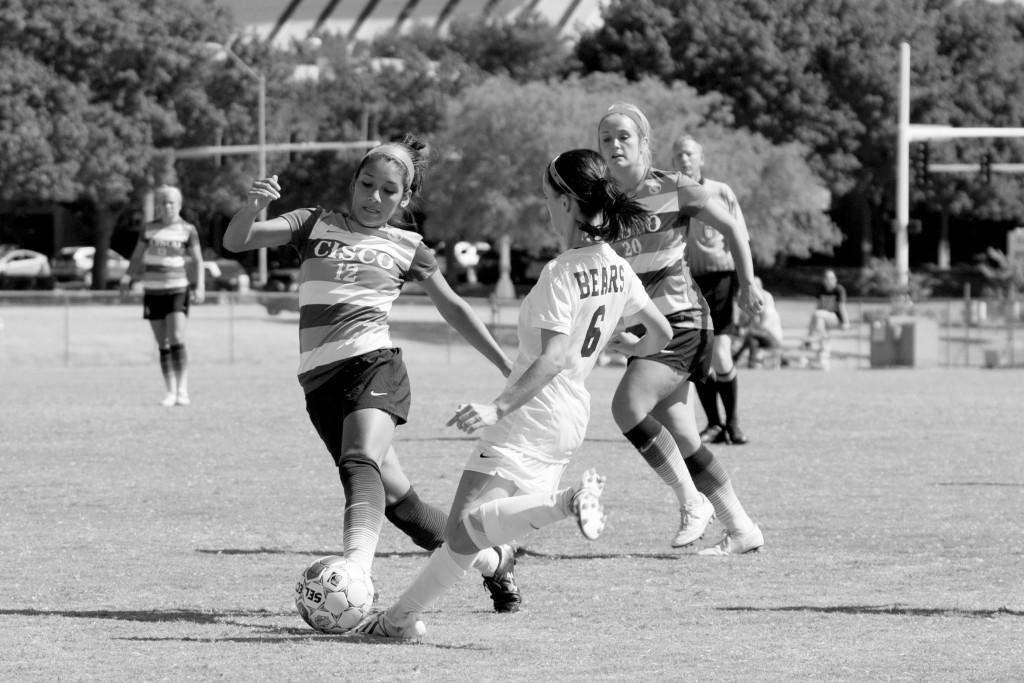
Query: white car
(73, 265)
(25, 268)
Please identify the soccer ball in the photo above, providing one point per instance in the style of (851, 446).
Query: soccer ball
(333, 594)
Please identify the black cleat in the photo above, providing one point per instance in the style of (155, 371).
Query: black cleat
(503, 588)
(735, 435)
(714, 434)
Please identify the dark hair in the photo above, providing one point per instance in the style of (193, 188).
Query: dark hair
(414, 147)
(418, 152)
(606, 212)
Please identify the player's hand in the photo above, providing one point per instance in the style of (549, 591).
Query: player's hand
(470, 417)
(750, 299)
(198, 297)
(623, 342)
(264, 191)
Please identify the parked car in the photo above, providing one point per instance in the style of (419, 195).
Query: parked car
(25, 268)
(73, 265)
(224, 274)
(281, 291)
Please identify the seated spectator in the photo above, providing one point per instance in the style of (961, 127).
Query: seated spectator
(829, 314)
(760, 332)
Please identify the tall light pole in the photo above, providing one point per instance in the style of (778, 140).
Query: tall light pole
(221, 51)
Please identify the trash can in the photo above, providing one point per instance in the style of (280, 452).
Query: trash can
(909, 341)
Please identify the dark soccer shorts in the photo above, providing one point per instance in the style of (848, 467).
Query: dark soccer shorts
(688, 353)
(377, 379)
(719, 290)
(159, 306)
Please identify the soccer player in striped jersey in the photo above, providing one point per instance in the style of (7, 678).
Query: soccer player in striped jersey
(653, 404)
(170, 258)
(354, 263)
(510, 483)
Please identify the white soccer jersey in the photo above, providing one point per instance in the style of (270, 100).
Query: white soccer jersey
(583, 293)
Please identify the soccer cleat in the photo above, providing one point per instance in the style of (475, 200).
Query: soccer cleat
(693, 522)
(169, 400)
(586, 504)
(183, 399)
(737, 543)
(714, 434)
(503, 588)
(377, 624)
(735, 435)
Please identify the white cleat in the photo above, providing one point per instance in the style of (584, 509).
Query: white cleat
(376, 624)
(737, 543)
(693, 522)
(183, 399)
(586, 504)
(169, 400)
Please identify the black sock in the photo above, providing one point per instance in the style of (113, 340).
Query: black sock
(707, 392)
(421, 522)
(728, 390)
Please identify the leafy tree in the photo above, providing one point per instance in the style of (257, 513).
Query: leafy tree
(111, 78)
(501, 134)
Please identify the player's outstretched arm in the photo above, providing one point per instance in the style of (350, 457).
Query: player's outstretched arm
(552, 360)
(244, 233)
(464, 319)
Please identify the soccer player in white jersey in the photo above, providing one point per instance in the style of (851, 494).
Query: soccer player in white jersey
(654, 404)
(510, 484)
(170, 258)
(353, 265)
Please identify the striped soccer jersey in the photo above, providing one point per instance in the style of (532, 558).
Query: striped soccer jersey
(582, 293)
(165, 256)
(657, 253)
(706, 249)
(350, 276)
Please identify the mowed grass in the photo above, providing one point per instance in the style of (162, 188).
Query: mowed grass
(143, 543)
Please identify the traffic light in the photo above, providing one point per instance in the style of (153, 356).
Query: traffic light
(922, 153)
(986, 167)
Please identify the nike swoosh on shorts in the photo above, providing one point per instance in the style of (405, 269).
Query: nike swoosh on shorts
(375, 393)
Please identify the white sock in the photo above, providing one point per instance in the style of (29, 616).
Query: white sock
(506, 519)
(487, 561)
(444, 569)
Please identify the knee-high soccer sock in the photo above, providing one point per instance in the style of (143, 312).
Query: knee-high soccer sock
(505, 519)
(728, 390)
(444, 569)
(167, 370)
(707, 392)
(421, 522)
(364, 509)
(659, 449)
(713, 481)
(179, 365)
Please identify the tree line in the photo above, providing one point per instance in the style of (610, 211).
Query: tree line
(795, 101)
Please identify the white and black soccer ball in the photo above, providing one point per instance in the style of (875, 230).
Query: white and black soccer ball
(333, 594)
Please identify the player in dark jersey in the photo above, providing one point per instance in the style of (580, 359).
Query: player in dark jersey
(829, 314)
(353, 265)
(510, 483)
(714, 270)
(654, 403)
(170, 259)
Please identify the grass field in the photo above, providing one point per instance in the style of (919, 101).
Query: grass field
(143, 543)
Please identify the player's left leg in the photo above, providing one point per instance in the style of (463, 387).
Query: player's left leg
(424, 524)
(708, 474)
(177, 326)
(727, 386)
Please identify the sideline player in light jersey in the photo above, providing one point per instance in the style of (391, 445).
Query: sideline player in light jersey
(171, 260)
(653, 404)
(509, 485)
(354, 263)
(714, 270)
